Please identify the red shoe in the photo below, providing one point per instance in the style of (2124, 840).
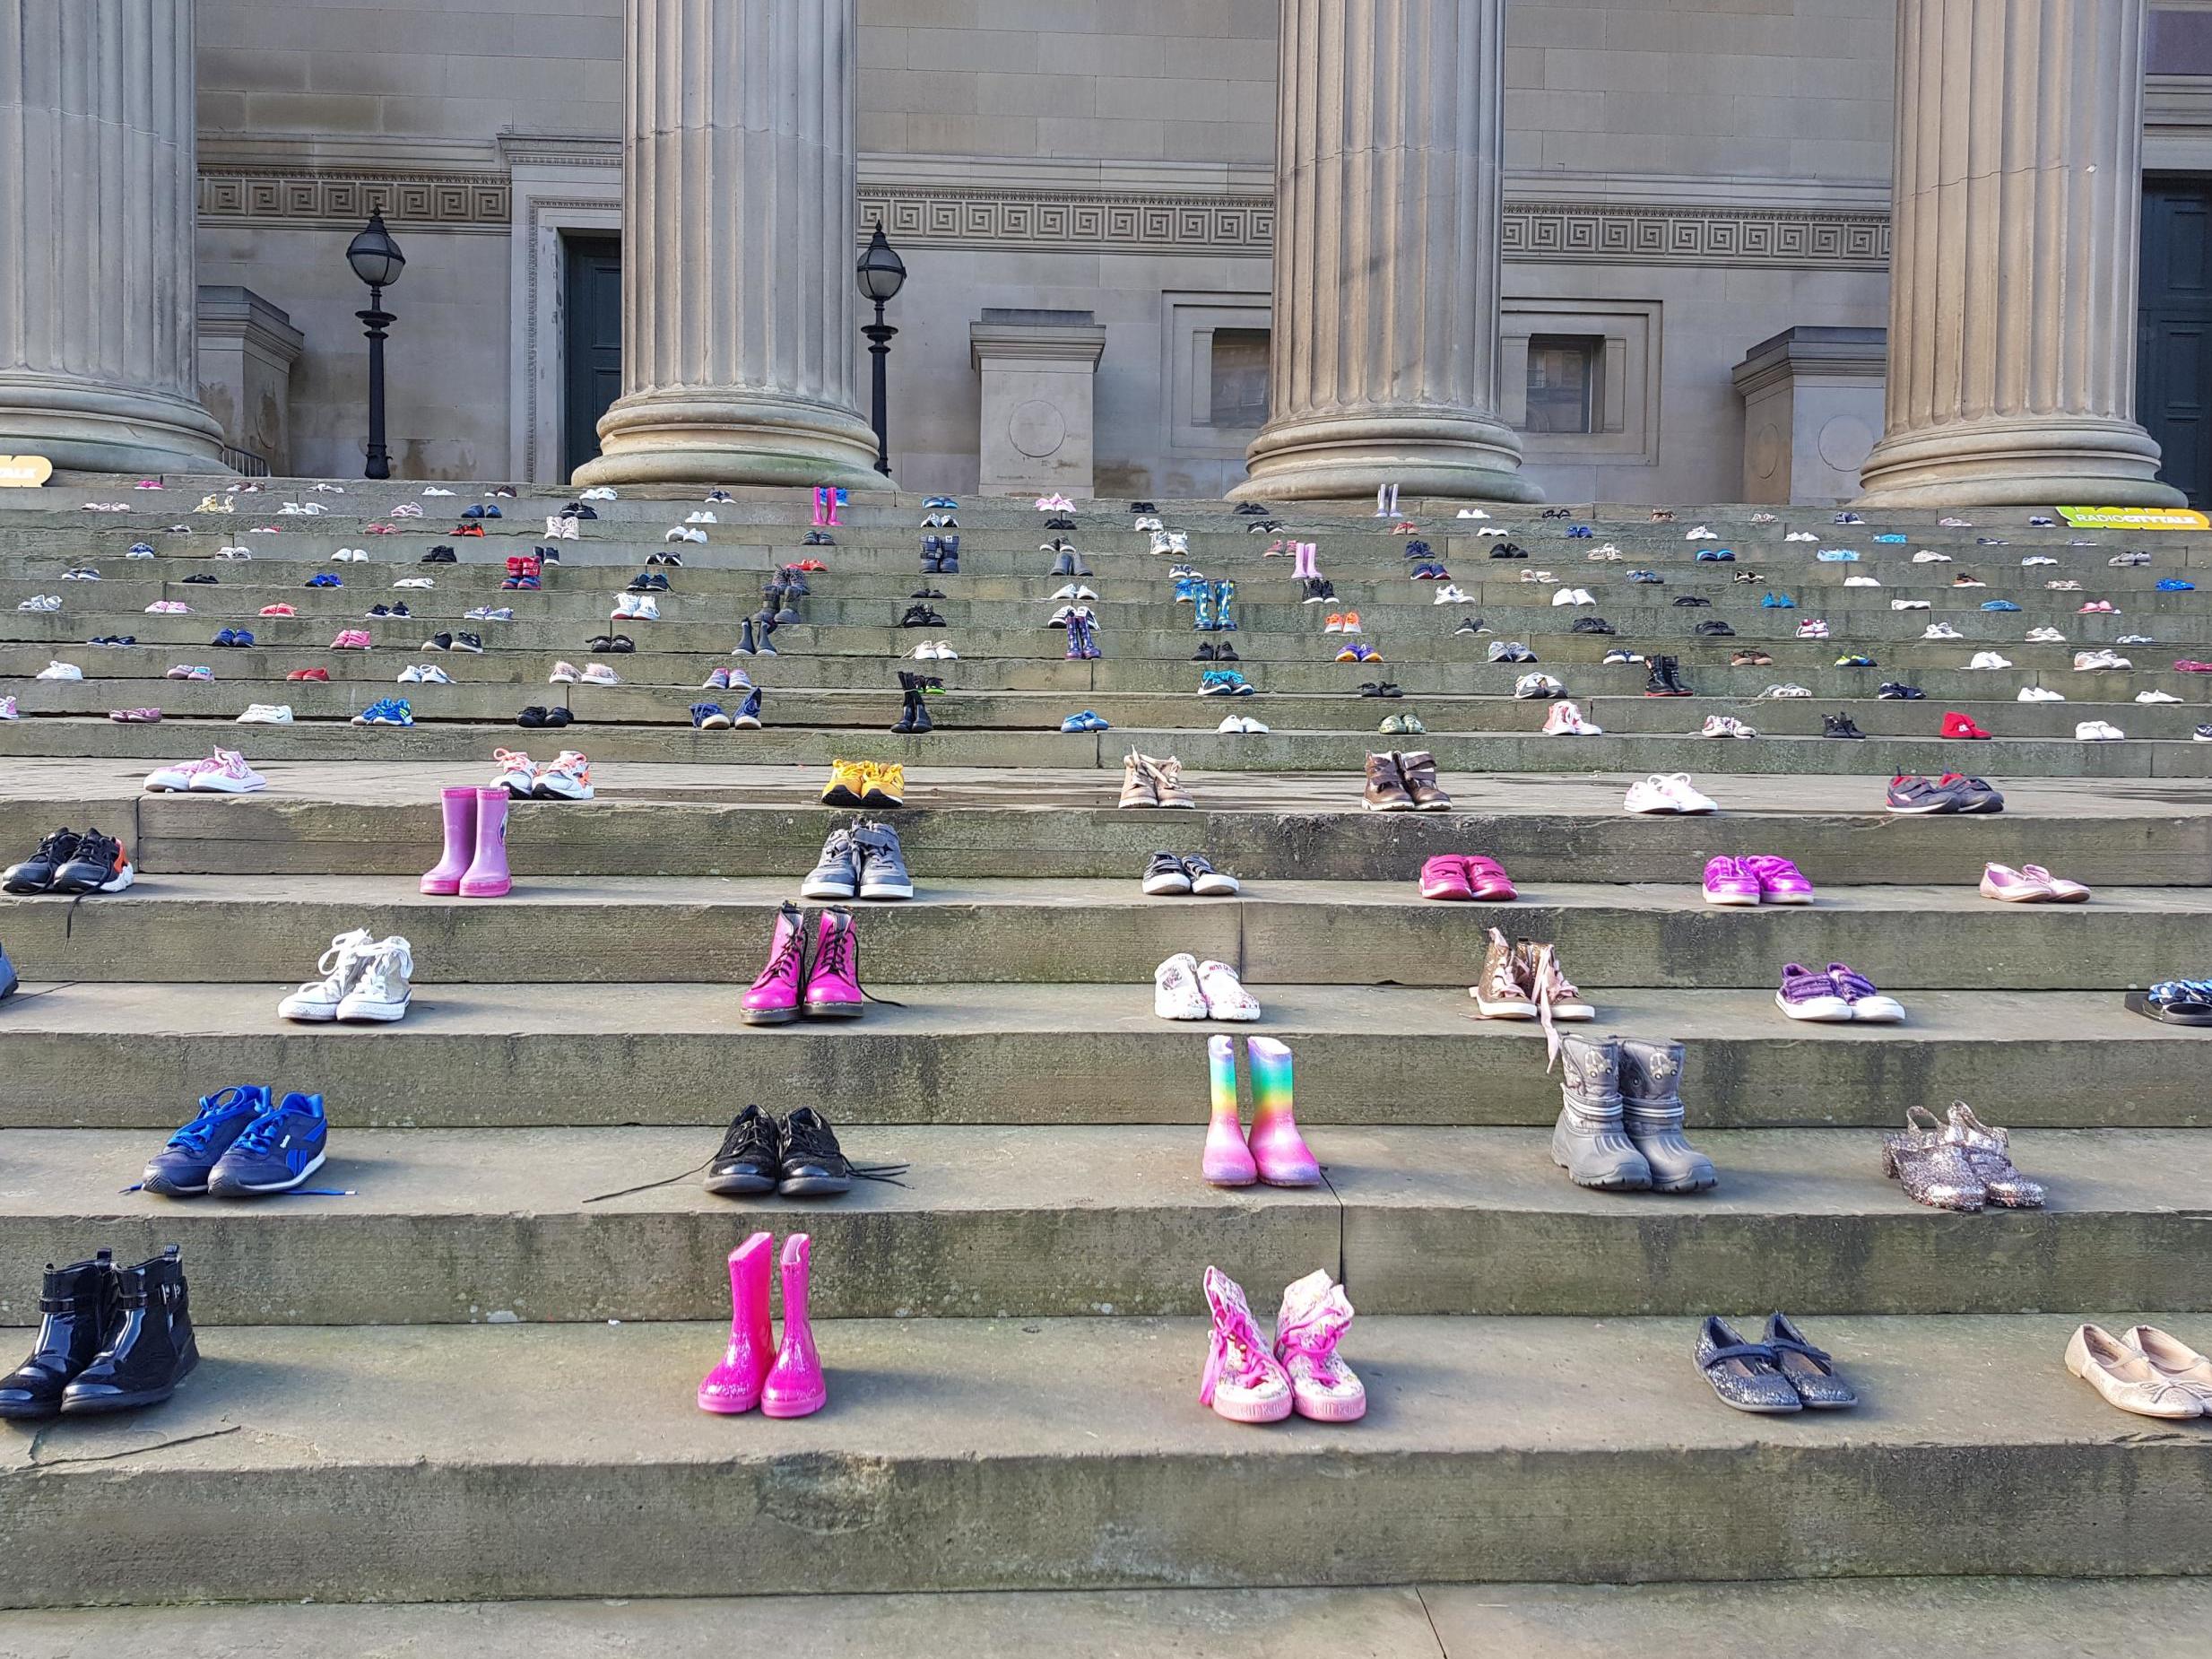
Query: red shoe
(469, 530)
(2191, 665)
(514, 564)
(1956, 725)
(308, 673)
(812, 566)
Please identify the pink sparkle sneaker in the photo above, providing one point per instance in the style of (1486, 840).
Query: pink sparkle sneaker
(734, 1384)
(1243, 1381)
(1781, 882)
(1315, 1316)
(1729, 881)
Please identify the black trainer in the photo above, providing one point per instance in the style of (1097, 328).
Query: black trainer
(1225, 653)
(917, 616)
(1590, 625)
(1839, 726)
(1692, 602)
(37, 873)
(441, 555)
(752, 1153)
(1714, 630)
(469, 642)
(1204, 654)
(814, 1166)
(1897, 691)
(99, 866)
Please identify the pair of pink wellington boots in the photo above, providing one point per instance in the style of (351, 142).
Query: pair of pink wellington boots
(783, 1382)
(1248, 1381)
(1274, 1152)
(828, 988)
(476, 862)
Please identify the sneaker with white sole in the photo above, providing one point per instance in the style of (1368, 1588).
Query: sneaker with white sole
(164, 779)
(599, 673)
(1989, 659)
(1566, 720)
(2039, 694)
(384, 986)
(1175, 995)
(1225, 994)
(2098, 732)
(1726, 725)
(567, 778)
(1656, 795)
(230, 776)
(267, 714)
(316, 1002)
(61, 671)
(517, 776)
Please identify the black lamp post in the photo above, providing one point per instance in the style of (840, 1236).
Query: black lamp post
(376, 260)
(881, 274)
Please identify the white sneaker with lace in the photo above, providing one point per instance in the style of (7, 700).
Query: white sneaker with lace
(518, 775)
(230, 775)
(267, 714)
(2099, 732)
(317, 1001)
(1566, 720)
(61, 671)
(599, 673)
(2039, 694)
(383, 988)
(1989, 659)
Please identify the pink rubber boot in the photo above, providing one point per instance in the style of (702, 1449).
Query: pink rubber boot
(833, 985)
(460, 808)
(836, 502)
(1228, 1160)
(1277, 1147)
(774, 999)
(796, 1387)
(819, 505)
(488, 876)
(735, 1385)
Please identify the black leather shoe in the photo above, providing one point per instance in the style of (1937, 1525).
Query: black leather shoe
(813, 1165)
(751, 1154)
(152, 1347)
(78, 1311)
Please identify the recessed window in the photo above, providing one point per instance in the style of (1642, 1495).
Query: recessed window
(1239, 377)
(1562, 382)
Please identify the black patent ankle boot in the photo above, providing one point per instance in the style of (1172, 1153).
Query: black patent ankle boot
(77, 1309)
(153, 1348)
(904, 723)
(1674, 683)
(918, 716)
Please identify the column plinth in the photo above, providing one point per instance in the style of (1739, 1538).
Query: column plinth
(99, 221)
(1389, 207)
(2016, 229)
(738, 325)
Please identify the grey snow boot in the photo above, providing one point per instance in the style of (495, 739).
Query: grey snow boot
(1651, 1089)
(1590, 1142)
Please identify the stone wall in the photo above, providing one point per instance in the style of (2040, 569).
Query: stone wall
(1029, 139)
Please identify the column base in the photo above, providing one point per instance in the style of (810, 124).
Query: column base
(1446, 453)
(2036, 462)
(86, 427)
(724, 436)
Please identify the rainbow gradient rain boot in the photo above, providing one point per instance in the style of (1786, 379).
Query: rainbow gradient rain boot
(1228, 1160)
(796, 1386)
(1277, 1147)
(735, 1385)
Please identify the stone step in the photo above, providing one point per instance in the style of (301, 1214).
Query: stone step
(1885, 1618)
(983, 1455)
(625, 930)
(482, 1057)
(442, 1226)
(373, 818)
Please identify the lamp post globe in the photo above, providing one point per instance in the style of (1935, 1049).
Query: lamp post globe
(881, 274)
(376, 260)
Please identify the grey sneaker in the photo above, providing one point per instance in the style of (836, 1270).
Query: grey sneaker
(381, 994)
(882, 866)
(1590, 1142)
(1651, 1090)
(836, 873)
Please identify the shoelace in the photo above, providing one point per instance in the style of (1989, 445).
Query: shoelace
(754, 1135)
(1240, 1356)
(260, 1136)
(1550, 983)
(193, 1137)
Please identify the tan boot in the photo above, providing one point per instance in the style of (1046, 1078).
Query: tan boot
(1503, 993)
(1419, 770)
(1137, 782)
(1387, 790)
(1167, 782)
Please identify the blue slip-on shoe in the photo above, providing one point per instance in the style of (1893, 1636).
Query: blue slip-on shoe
(387, 711)
(181, 1169)
(2175, 585)
(1836, 556)
(1715, 556)
(747, 715)
(1999, 605)
(277, 1151)
(1893, 537)
(1075, 723)
(709, 718)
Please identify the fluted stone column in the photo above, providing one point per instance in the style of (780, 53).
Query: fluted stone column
(2017, 219)
(99, 216)
(1388, 206)
(738, 247)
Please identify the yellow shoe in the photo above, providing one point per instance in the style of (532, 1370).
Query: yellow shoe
(848, 783)
(887, 787)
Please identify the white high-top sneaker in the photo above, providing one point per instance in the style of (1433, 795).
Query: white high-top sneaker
(382, 991)
(317, 999)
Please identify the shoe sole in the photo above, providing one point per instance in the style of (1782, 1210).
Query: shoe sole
(833, 1011)
(814, 1186)
(827, 890)
(319, 1016)
(95, 1405)
(1226, 890)
(2138, 1002)
(887, 890)
(746, 1185)
(767, 1016)
(1832, 1011)
(375, 1014)
(1504, 1010)
(240, 1189)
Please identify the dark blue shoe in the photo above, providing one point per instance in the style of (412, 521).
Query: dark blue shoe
(180, 1169)
(278, 1150)
(227, 637)
(8, 981)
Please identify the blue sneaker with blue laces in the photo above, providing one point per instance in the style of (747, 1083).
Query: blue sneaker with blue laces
(278, 1150)
(387, 711)
(181, 1169)
(1893, 537)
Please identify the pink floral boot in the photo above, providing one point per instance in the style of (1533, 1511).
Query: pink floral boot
(1243, 1381)
(1315, 1314)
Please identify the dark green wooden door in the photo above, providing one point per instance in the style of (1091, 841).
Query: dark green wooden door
(593, 371)
(2173, 367)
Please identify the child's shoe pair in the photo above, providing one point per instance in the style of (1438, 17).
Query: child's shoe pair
(1247, 1381)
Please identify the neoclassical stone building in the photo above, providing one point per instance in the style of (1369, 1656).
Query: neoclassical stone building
(1627, 250)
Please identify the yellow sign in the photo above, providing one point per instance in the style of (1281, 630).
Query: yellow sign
(2134, 518)
(24, 471)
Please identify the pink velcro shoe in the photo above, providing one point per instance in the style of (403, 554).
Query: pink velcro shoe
(1781, 882)
(1444, 876)
(1729, 882)
(1488, 878)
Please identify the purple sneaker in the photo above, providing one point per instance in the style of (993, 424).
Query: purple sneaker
(1781, 882)
(1809, 996)
(1865, 1003)
(1729, 881)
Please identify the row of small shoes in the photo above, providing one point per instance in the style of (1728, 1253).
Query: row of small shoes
(361, 979)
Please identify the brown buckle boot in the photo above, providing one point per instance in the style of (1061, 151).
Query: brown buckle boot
(1387, 790)
(1419, 770)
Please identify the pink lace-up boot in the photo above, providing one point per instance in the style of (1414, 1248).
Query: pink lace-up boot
(735, 1385)
(833, 985)
(774, 999)
(796, 1386)
(1228, 1160)
(487, 876)
(1277, 1147)
(1314, 1316)
(1243, 1381)
(443, 879)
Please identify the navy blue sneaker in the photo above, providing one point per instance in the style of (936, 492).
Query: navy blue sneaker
(8, 981)
(181, 1169)
(279, 1150)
